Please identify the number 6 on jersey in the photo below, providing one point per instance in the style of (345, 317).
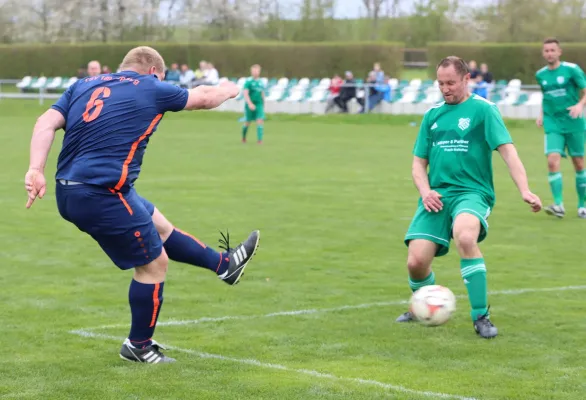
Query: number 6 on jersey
(94, 101)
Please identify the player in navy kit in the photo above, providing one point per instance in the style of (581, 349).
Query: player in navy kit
(108, 120)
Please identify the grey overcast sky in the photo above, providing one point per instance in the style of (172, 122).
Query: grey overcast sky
(355, 8)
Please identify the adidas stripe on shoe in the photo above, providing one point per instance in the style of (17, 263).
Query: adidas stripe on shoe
(239, 256)
(148, 355)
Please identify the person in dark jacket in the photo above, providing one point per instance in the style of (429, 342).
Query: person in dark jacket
(347, 92)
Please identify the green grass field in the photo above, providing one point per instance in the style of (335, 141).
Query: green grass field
(332, 197)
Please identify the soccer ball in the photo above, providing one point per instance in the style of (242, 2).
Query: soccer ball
(433, 305)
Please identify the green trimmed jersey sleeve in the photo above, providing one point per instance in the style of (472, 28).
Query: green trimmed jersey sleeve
(421, 148)
(460, 139)
(256, 89)
(562, 88)
(496, 132)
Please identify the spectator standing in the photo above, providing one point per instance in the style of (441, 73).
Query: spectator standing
(379, 74)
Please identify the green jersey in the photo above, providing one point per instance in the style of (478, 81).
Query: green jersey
(255, 90)
(561, 89)
(458, 141)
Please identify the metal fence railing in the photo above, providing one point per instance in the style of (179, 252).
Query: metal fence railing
(364, 95)
(9, 90)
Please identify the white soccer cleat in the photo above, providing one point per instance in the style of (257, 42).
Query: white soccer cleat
(582, 212)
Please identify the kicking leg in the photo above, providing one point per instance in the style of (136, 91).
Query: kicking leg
(185, 248)
(472, 267)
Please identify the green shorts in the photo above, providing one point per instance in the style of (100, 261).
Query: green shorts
(437, 227)
(258, 113)
(573, 142)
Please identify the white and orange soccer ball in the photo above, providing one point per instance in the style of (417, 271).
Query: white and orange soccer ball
(433, 305)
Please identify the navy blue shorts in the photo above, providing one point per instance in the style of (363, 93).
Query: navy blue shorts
(121, 223)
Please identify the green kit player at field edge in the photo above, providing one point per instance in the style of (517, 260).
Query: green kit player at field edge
(254, 107)
(564, 95)
(456, 140)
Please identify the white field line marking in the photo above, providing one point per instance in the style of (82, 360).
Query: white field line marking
(317, 374)
(510, 292)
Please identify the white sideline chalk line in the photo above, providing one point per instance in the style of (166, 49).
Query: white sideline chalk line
(317, 374)
(333, 309)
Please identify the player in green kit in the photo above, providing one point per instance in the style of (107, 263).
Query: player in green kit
(455, 141)
(563, 87)
(254, 108)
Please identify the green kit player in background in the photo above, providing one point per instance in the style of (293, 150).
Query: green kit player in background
(254, 107)
(563, 87)
(456, 140)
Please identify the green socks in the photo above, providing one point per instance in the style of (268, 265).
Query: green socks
(556, 185)
(260, 132)
(474, 274)
(581, 187)
(415, 284)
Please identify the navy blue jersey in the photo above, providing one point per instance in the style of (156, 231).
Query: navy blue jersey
(109, 119)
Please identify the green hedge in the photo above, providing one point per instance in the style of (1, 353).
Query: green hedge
(505, 60)
(315, 60)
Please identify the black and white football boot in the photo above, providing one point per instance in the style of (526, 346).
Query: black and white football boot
(484, 327)
(555, 210)
(240, 256)
(406, 317)
(149, 355)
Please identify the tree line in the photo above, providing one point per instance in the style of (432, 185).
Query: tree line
(413, 22)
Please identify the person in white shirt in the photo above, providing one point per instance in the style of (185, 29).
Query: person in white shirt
(212, 76)
(187, 76)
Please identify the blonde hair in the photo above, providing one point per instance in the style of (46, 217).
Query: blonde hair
(143, 58)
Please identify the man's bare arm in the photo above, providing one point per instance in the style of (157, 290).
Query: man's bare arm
(209, 97)
(582, 101)
(419, 173)
(43, 135)
(517, 171)
(246, 94)
(516, 168)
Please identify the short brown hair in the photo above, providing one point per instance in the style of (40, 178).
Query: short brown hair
(142, 58)
(551, 40)
(459, 64)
